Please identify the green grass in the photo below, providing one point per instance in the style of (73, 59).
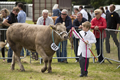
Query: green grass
(60, 71)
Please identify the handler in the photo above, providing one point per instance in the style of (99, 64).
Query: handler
(83, 49)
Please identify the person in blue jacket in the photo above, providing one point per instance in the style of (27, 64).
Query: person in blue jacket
(68, 23)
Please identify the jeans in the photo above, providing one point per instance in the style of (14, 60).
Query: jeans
(99, 49)
(10, 52)
(27, 52)
(22, 52)
(63, 53)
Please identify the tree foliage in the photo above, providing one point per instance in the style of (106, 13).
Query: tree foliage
(98, 3)
(27, 1)
(94, 3)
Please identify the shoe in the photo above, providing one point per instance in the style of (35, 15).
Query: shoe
(82, 75)
(65, 61)
(8, 62)
(36, 57)
(3, 60)
(76, 61)
(85, 75)
(33, 56)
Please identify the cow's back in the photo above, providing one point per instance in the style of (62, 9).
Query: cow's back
(26, 34)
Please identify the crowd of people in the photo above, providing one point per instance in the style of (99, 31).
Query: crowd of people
(83, 22)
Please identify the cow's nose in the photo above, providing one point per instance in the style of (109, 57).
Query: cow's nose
(65, 37)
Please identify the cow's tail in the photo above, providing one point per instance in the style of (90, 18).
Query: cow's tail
(2, 44)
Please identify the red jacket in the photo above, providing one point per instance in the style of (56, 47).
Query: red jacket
(101, 23)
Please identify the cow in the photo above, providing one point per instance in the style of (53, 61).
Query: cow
(36, 38)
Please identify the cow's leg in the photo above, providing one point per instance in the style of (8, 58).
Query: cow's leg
(44, 56)
(49, 65)
(13, 61)
(19, 62)
(17, 49)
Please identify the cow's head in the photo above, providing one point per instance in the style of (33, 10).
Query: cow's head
(60, 29)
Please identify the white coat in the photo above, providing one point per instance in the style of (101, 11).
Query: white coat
(82, 46)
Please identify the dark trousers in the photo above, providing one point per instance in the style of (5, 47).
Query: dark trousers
(3, 37)
(99, 49)
(114, 36)
(10, 53)
(75, 42)
(82, 65)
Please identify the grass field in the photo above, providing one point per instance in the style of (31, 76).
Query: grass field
(60, 71)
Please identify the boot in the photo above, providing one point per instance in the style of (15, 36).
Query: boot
(36, 57)
(33, 56)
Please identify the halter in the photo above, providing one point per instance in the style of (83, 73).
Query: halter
(53, 45)
(60, 33)
(53, 39)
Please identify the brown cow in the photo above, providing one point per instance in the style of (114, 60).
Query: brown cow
(36, 38)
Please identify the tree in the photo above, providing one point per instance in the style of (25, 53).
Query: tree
(98, 3)
(27, 1)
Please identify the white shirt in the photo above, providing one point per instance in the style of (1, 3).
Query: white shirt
(84, 13)
(90, 37)
(48, 21)
(103, 15)
(92, 15)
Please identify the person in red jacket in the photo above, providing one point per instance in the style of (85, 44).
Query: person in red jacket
(98, 24)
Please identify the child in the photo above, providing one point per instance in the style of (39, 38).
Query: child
(84, 54)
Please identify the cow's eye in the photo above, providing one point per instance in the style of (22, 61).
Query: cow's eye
(58, 30)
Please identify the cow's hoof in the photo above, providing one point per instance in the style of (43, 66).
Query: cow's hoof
(44, 69)
(12, 67)
(23, 70)
(49, 71)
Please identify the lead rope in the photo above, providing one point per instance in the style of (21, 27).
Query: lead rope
(83, 41)
(86, 50)
(86, 57)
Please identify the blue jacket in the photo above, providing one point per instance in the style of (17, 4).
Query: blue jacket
(56, 12)
(68, 22)
(76, 23)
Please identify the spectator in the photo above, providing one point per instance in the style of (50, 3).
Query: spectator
(89, 16)
(76, 10)
(113, 22)
(45, 19)
(77, 25)
(89, 38)
(84, 13)
(98, 23)
(103, 12)
(56, 10)
(107, 11)
(12, 18)
(92, 14)
(68, 23)
(4, 14)
(21, 19)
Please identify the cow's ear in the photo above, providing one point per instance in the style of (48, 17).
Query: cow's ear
(63, 23)
(52, 26)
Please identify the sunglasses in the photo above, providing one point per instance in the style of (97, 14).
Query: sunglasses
(96, 13)
(63, 14)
